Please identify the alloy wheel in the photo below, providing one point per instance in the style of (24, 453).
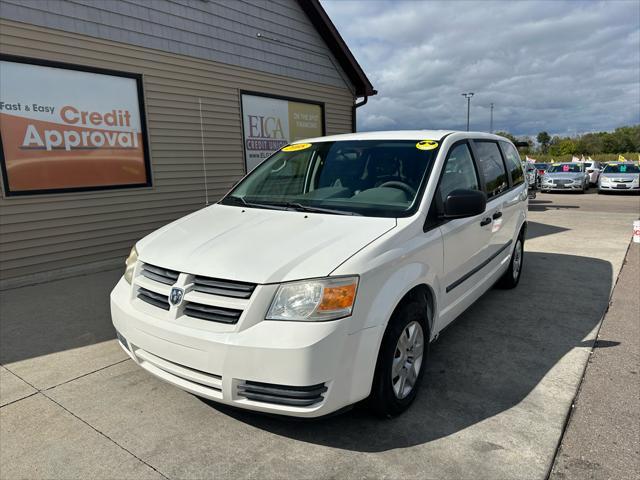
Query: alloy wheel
(407, 359)
(517, 260)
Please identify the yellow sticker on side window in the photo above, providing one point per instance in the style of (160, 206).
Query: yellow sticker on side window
(295, 147)
(427, 145)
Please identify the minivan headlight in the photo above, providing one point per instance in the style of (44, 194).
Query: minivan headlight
(130, 264)
(314, 300)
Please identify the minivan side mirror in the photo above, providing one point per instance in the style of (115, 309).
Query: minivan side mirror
(463, 203)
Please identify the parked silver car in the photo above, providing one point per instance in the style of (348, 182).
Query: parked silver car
(620, 177)
(565, 176)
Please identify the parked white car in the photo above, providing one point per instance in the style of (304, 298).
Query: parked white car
(531, 173)
(593, 170)
(323, 276)
(620, 177)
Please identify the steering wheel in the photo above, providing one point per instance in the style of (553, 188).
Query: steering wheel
(408, 189)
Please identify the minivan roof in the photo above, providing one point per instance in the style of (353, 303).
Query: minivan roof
(397, 135)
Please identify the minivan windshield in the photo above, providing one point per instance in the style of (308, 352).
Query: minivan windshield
(621, 168)
(375, 178)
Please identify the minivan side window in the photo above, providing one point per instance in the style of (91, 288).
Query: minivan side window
(492, 167)
(459, 172)
(514, 164)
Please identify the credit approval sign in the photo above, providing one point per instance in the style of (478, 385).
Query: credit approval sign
(69, 129)
(271, 122)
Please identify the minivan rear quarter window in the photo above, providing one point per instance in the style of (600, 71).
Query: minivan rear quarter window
(492, 167)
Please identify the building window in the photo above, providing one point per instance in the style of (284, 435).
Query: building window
(69, 128)
(271, 122)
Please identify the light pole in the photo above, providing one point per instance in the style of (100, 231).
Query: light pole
(468, 96)
(491, 122)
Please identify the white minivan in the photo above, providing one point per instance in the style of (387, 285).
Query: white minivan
(320, 279)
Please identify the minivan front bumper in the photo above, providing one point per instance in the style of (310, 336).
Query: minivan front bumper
(304, 369)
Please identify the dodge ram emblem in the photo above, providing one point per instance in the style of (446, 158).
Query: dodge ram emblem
(175, 297)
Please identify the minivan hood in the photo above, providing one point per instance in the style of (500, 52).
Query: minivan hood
(259, 245)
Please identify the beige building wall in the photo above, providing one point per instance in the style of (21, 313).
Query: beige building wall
(71, 232)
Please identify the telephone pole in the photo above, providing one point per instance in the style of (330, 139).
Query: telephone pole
(491, 123)
(468, 96)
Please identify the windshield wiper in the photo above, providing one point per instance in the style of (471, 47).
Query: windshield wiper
(243, 202)
(287, 206)
(307, 208)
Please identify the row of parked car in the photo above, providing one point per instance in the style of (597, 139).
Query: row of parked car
(579, 176)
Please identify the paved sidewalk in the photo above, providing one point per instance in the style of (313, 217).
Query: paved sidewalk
(602, 440)
(501, 381)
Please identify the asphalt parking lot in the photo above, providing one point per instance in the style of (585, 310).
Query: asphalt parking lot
(500, 381)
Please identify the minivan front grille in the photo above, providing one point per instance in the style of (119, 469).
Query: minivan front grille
(162, 275)
(224, 288)
(213, 314)
(282, 394)
(153, 298)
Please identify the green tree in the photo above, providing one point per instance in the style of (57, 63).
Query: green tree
(507, 135)
(567, 147)
(589, 143)
(564, 146)
(544, 139)
(554, 146)
(611, 143)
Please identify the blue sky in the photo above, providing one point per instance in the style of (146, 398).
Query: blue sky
(564, 67)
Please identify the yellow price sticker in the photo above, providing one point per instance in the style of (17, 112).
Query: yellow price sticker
(296, 147)
(427, 145)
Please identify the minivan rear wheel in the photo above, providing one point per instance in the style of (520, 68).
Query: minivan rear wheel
(401, 359)
(511, 277)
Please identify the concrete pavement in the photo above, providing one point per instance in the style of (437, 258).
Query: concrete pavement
(602, 440)
(500, 381)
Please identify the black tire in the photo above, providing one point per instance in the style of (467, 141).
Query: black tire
(383, 400)
(510, 279)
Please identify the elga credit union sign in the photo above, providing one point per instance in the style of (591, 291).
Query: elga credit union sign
(66, 129)
(269, 123)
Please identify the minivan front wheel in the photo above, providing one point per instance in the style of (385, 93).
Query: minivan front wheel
(401, 359)
(407, 360)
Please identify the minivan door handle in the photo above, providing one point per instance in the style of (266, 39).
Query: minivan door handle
(497, 215)
(486, 221)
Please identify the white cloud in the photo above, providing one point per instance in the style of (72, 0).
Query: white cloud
(566, 67)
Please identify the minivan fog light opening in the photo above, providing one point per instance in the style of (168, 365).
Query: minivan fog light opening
(314, 300)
